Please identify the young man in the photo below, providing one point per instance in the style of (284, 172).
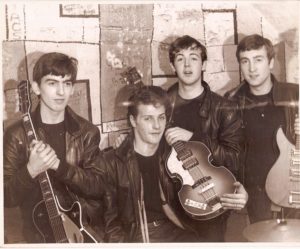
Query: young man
(265, 105)
(138, 188)
(201, 115)
(68, 147)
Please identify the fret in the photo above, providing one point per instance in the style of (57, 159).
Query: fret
(54, 215)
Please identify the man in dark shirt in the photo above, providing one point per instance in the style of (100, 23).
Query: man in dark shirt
(265, 105)
(67, 149)
(139, 194)
(201, 115)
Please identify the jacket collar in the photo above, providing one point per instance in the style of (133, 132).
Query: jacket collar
(71, 120)
(204, 103)
(244, 87)
(126, 148)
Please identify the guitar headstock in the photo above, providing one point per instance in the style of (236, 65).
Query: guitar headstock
(131, 76)
(24, 96)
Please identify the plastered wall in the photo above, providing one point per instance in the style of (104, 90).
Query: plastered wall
(108, 38)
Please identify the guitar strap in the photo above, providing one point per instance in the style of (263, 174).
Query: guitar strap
(142, 215)
(168, 210)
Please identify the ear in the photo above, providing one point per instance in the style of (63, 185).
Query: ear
(204, 64)
(35, 88)
(271, 64)
(72, 90)
(173, 68)
(132, 121)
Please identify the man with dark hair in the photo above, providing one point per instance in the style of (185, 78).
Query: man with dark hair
(68, 147)
(140, 195)
(202, 115)
(265, 105)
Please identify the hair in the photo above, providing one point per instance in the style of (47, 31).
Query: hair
(148, 95)
(185, 42)
(254, 42)
(56, 64)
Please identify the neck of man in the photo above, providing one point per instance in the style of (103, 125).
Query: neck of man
(145, 149)
(262, 89)
(191, 91)
(50, 117)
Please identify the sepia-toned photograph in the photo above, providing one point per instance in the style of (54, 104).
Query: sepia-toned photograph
(170, 123)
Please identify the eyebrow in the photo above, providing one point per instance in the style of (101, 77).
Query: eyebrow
(177, 54)
(255, 57)
(53, 79)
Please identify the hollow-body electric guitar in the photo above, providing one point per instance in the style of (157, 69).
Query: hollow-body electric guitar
(283, 179)
(202, 183)
(55, 224)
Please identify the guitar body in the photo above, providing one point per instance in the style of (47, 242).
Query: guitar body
(202, 184)
(71, 220)
(283, 177)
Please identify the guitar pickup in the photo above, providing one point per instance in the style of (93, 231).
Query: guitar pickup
(183, 155)
(295, 172)
(201, 181)
(190, 163)
(291, 200)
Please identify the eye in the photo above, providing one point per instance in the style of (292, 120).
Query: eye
(244, 61)
(51, 83)
(163, 117)
(179, 58)
(195, 58)
(68, 83)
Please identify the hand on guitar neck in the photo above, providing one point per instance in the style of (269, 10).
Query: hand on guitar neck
(175, 134)
(42, 157)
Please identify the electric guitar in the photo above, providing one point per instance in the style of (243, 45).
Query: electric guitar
(55, 224)
(202, 183)
(283, 179)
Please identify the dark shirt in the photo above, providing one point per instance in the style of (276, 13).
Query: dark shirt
(56, 138)
(149, 170)
(185, 113)
(261, 124)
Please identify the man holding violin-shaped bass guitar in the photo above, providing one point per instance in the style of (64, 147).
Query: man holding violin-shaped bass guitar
(201, 115)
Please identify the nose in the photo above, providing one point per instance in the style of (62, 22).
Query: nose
(252, 66)
(60, 89)
(186, 62)
(156, 124)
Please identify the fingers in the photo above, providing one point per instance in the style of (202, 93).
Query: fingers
(175, 134)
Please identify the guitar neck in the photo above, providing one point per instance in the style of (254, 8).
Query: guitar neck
(46, 189)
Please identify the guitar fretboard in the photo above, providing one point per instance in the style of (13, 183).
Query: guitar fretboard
(47, 191)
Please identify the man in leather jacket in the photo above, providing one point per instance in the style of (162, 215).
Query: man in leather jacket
(202, 115)
(68, 148)
(141, 199)
(265, 105)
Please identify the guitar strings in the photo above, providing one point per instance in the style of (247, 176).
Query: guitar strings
(52, 209)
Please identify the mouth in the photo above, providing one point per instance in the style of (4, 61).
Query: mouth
(59, 101)
(253, 76)
(187, 73)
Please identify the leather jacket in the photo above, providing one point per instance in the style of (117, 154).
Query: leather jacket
(219, 127)
(77, 172)
(284, 94)
(123, 189)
